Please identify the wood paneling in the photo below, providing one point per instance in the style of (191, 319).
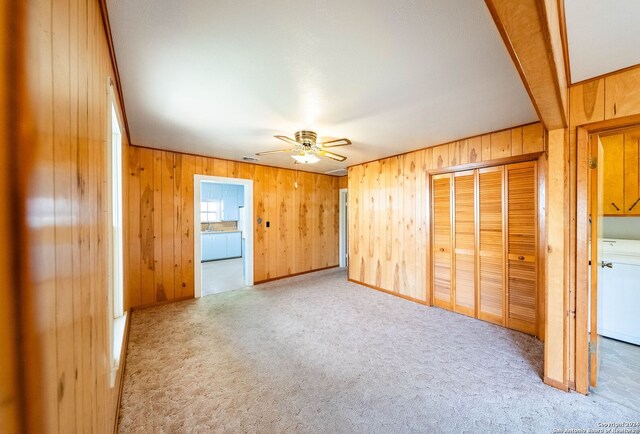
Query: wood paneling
(622, 94)
(531, 32)
(303, 232)
(343, 182)
(12, 417)
(68, 67)
(396, 228)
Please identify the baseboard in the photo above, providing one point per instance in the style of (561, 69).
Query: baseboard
(258, 282)
(555, 383)
(386, 291)
(123, 361)
(160, 303)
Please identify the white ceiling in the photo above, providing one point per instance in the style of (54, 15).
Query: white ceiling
(602, 35)
(220, 78)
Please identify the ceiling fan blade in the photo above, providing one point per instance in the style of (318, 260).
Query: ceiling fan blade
(334, 143)
(288, 140)
(333, 156)
(275, 152)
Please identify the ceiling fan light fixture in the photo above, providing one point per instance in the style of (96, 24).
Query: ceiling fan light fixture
(305, 158)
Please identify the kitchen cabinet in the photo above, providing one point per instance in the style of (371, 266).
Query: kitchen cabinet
(234, 245)
(221, 245)
(613, 194)
(621, 183)
(206, 247)
(216, 192)
(230, 203)
(230, 196)
(240, 192)
(632, 173)
(205, 191)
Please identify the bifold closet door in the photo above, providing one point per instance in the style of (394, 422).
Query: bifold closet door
(464, 239)
(441, 241)
(522, 227)
(491, 245)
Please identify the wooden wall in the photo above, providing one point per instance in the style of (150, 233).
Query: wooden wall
(67, 66)
(610, 99)
(388, 209)
(11, 414)
(344, 182)
(303, 232)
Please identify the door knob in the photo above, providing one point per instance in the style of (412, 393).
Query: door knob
(606, 264)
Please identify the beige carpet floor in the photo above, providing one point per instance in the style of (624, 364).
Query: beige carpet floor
(317, 354)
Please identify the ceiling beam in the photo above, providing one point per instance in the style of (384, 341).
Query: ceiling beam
(531, 31)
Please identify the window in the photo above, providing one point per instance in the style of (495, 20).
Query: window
(117, 315)
(210, 211)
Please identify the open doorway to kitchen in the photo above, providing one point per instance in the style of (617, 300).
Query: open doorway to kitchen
(223, 234)
(612, 364)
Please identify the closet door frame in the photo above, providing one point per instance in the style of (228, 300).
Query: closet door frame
(539, 159)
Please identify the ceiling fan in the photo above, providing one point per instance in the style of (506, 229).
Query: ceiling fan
(307, 149)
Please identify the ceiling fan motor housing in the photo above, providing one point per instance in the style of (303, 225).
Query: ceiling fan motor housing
(307, 138)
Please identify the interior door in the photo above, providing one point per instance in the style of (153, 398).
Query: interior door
(597, 210)
(464, 241)
(441, 241)
(491, 245)
(522, 224)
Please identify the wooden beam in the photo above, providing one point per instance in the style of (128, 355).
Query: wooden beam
(531, 30)
(555, 367)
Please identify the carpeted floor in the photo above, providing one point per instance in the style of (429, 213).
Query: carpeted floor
(315, 353)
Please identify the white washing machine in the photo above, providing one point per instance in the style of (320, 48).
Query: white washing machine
(619, 295)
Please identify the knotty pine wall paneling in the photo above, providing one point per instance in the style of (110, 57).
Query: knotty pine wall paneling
(12, 416)
(67, 70)
(303, 232)
(400, 208)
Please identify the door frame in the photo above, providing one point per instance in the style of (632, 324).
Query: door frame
(582, 311)
(197, 233)
(541, 181)
(344, 230)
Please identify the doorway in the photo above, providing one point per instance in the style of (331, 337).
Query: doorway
(613, 238)
(344, 227)
(223, 234)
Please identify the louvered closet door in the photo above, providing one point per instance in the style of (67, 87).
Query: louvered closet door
(441, 193)
(491, 244)
(464, 242)
(522, 229)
